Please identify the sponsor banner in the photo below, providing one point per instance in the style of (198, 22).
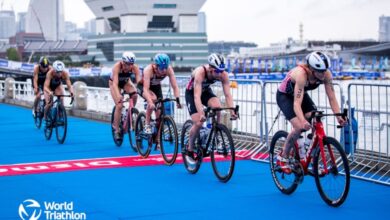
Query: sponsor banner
(95, 71)
(84, 164)
(74, 71)
(4, 63)
(27, 67)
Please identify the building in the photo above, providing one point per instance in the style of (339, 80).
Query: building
(384, 28)
(48, 20)
(148, 27)
(21, 24)
(7, 24)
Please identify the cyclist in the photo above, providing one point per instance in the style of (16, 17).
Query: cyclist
(40, 71)
(297, 105)
(150, 85)
(125, 74)
(198, 94)
(53, 85)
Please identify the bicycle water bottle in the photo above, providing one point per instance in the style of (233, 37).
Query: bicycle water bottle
(124, 114)
(301, 146)
(308, 141)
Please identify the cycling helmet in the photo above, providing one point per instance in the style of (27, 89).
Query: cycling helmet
(128, 57)
(58, 66)
(318, 61)
(43, 62)
(162, 60)
(217, 61)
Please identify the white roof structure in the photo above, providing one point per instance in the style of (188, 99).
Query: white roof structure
(134, 16)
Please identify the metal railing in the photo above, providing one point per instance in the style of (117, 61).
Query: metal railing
(258, 110)
(370, 155)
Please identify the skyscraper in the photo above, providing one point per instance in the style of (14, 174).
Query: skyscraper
(7, 24)
(21, 24)
(47, 17)
(384, 28)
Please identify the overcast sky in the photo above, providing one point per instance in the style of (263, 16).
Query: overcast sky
(267, 21)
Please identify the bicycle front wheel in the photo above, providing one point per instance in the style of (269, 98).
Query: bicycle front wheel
(286, 183)
(191, 165)
(48, 130)
(143, 141)
(131, 130)
(61, 124)
(169, 140)
(222, 153)
(332, 185)
(118, 142)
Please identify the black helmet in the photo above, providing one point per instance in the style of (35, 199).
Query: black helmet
(43, 62)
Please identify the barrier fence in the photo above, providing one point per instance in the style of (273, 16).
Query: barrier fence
(366, 139)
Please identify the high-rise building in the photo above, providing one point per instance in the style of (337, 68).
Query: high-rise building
(21, 24)
(7, 24)
(148, 27)
(47, 17)
(384, 28)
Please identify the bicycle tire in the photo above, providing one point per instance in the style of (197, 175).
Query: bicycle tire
(118, 142)
(170, 147)
(192, 166)
(226, 151)
(61, 121)
(131, 129)
(38, 121)
(286, 183)
(141, 138)
(48, 130)
(338, 173)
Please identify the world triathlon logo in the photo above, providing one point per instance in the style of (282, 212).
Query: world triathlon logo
(30, 210)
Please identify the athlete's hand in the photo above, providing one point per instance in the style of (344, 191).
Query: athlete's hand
(151, 106)
(341, 121)
(35, 91)
(306, 126)
(233, 116)
(202, 118)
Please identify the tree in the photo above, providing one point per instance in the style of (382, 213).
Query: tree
(13, 54)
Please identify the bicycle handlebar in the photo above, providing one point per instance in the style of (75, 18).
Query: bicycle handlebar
(214, 110)
(319, 115)
(127, 93)
(59, 96)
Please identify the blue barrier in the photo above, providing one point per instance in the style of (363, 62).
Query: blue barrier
(4, 63)
(27, 67)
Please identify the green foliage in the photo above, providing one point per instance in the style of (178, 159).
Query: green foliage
(13, 54)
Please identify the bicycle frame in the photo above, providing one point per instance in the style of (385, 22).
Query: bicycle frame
(212, 113)
(131, 106)
(318, 137)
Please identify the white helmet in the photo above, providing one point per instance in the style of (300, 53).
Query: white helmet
(217, 61)
(58, 66)
(128, 57)
(318, 61)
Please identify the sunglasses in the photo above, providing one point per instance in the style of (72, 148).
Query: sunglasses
(162, 67)
(128, 63)
(218, 71)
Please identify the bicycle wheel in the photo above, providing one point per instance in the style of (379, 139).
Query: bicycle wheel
(286, 183)
(131, 128)
(48, 131)
(191, 165)
(38, 117)
(333, 186)
(222, 153)
(61, 124)
(144, 141)
(118, 142)
(168, 140)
